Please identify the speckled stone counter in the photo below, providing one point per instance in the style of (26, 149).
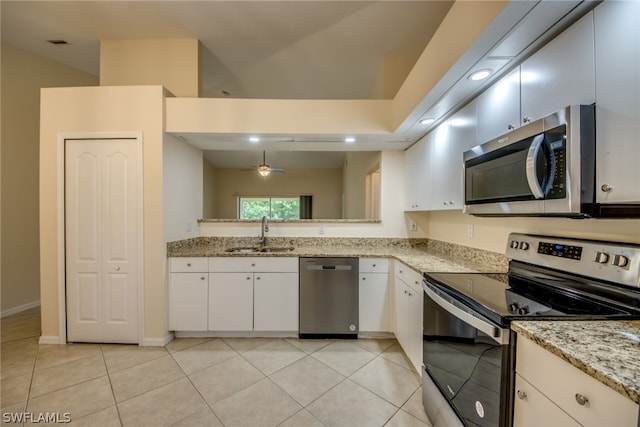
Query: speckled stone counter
(609, 351)
(422, 255)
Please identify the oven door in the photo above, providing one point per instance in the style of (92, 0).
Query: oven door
(465, 362)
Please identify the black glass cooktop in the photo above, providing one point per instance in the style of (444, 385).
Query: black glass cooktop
(503, 297)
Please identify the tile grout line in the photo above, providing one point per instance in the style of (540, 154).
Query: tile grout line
(113, 394)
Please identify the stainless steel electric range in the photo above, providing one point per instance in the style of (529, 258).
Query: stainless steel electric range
(468, 348)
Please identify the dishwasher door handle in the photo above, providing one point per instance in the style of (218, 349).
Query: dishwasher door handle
(329, 267)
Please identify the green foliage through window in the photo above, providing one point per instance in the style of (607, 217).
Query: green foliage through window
(271, 207)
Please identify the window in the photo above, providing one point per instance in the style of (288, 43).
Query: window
(274, 207)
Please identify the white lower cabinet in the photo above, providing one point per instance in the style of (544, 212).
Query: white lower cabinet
(552, 392)
(253, 294)
(275, 302)
(188, 294)
(374, 299)
(230, 301)
(408, 312)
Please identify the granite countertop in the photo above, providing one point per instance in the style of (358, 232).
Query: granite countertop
(608, 351)
(423, 257)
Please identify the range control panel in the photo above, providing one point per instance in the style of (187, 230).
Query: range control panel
(614, 262)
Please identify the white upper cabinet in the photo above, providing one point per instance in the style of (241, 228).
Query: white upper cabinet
(499, 108)
(416, 167)
(462, 137)
(562, 73)
(617, 41)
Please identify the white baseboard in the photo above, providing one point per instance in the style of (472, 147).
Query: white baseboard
(20, 308)
(49, 339)
(157, 342)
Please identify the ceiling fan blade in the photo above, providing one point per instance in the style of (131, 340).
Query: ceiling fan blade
(277, 170)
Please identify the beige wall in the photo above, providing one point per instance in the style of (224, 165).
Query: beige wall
(325, 185)
(102, 109)
(182, 182)
(357, 165)
(208, 190)
(23, 74)
(172, 63)
(491, 233)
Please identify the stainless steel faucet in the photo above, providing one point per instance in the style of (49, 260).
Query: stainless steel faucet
(263, 229)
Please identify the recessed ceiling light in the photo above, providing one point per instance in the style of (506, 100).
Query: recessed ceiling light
(480, 75)
(58, 41)
(254, 139)
(350, 139)
(427, 121)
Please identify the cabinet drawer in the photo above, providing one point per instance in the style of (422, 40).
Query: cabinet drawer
(561, 382)
(374, 265)
(408, 276)
(254, 264)
(188, 265)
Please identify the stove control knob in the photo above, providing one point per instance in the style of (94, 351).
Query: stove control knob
(524, 246)
(620, 261)
(602, 257)
(513, 307)
(523, 310)
(514, 244)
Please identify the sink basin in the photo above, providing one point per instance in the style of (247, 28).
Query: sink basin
(267, 249)
(256, 250)
(245, 250)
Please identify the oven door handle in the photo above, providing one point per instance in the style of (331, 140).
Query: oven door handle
(499, 335)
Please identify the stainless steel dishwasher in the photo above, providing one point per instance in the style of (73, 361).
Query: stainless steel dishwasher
(328, 297)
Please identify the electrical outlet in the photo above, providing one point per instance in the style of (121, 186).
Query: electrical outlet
(470, 230)
(413, 226)
(321, 229)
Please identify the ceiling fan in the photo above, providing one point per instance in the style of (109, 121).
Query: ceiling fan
(264, 169)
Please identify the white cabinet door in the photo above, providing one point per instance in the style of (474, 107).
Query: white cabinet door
(617, 34)
(440, 160)
(275, 298)
(373, 307)
(188, 301)
(560, 74)
(401, 313)
(499, 108)
(416, 166)
(414, 328)
(230, 301)
(103, 216)
(534, 409)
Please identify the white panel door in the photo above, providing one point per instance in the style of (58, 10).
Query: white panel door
(102, 223)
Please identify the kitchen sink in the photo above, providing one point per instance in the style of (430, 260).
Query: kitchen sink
(257, 250)
(280, 249)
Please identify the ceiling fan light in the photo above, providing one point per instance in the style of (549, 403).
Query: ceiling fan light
(264, 170)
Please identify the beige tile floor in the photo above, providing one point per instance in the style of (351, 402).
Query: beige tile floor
(209, 382)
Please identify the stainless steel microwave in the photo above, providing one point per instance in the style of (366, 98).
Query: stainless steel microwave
(545, 168)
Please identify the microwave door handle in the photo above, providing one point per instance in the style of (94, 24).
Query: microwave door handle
(497, 334)
(532, 166)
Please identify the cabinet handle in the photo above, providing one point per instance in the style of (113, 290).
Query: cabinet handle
(116, 268)
(248, 278)
(258, 278)
(510, 127)
(410, 294)
(522, 395)
(406, 292)
(202, 278)
(253, 264)
(582, 400)
(526, 119)
(364, 278)
(188, 264)
(373, 265)
(606, 188)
